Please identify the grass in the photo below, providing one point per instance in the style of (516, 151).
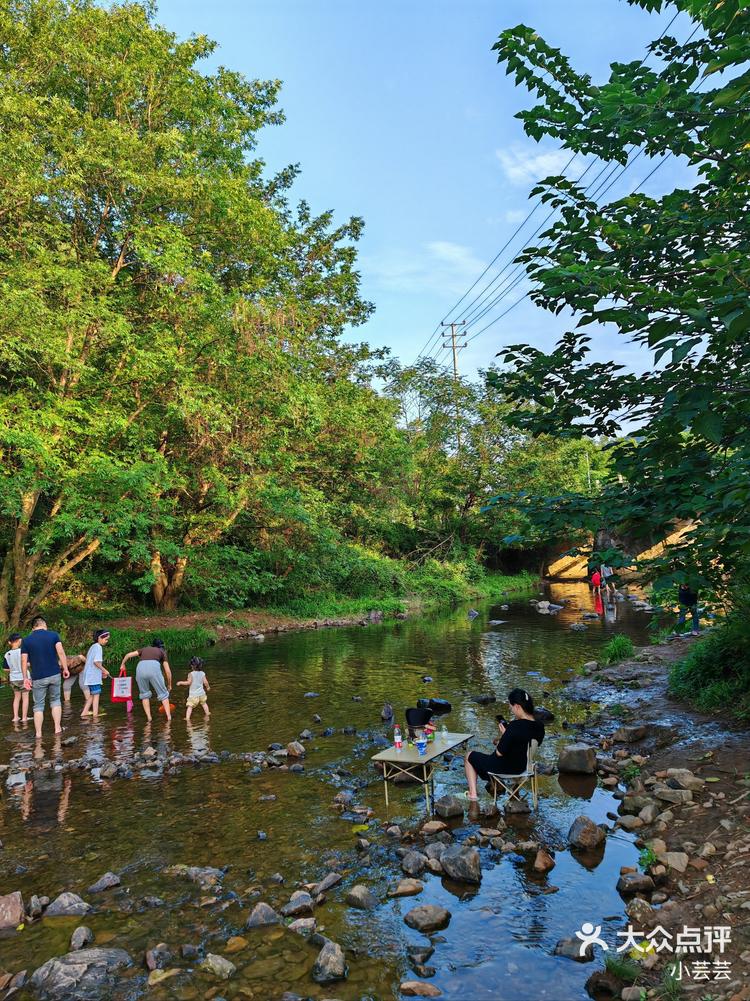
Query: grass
(623, 968)
(618, 710)
(670, 988)
(630, 772)
(620, 647)
(715, 674)
(647, 858)
(180, 643)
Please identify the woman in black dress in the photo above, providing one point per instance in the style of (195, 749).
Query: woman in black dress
(511, 749)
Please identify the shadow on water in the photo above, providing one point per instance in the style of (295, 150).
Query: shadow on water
(63, 829)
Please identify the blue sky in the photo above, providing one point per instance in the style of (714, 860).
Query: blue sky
(397, 111)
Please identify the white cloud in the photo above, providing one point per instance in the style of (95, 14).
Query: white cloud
(529, 164)
(439, 266)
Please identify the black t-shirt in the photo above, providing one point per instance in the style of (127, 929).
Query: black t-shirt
(514, 744)
(687, 596)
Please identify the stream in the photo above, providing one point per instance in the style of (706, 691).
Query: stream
(63, 830)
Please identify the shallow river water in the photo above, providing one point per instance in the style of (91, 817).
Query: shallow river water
(64, 830)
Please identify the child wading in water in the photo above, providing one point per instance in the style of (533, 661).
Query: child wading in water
(198, 687)
(94, 672)
(15, 677)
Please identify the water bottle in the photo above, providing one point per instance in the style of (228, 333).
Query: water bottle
(397, 742)
(443, 732)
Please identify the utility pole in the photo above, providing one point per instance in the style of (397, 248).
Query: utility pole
(450, 340)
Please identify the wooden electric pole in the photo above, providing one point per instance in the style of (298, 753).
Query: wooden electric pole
(451, 341)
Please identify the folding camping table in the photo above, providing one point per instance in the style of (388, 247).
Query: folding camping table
(408, 761)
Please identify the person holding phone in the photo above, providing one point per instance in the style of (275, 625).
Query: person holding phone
(512, 746)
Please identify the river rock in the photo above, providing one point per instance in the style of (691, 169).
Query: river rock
(462, 863)
(668, 795)
(330, 964)
(105, 882)
(159, 976)
(67, 905)
(519, 804)
(406, 888)
(543, 861)
(641, 913)
(427, 917)
(449, 806)
(419, 989)
(15, 780)
(434, 827)
(303, 926)
(579, 759)
(629, 823)
(158, 958)
(579, 627)
(584, 833)
(205, 876)
(327, 883)
(419, 954)
(80, 938)
(675, 860)
(12, 912)
(306, 735)
(295, 749)
(629, 734)
(686, 779)
(218, 966)
(485, 699)
(571, 949)
(649, 813)
(634, 882)
(261, 915)
(413, 863)
(311, 695)
(362, 897)
(435, 850)
(300, 904)
(87, 974)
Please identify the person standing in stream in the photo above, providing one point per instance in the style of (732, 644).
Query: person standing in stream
(42, 658)
(151, 660)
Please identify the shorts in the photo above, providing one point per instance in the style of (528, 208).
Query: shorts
(17, 686)
(196, 700)
(41, 687)
(95, 689)
(148, 675)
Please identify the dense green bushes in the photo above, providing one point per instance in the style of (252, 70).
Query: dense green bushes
(715, 675)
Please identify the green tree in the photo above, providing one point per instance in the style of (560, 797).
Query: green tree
(163, 310)
(670, 273)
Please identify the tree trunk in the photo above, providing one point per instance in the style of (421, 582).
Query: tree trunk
(168, 581)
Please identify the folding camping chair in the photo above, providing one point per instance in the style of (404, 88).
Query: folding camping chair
(513, 784)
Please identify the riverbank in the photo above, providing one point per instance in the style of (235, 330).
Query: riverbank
(190, 630)
(683, 782)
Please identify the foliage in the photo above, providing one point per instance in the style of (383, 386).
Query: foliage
(623, 968)
(181, 644)
(647, 859)
(630, 772)
(618, 648)
(715, 674)
(669, 274)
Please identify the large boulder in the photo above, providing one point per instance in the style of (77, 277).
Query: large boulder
(585, 834)
(461, 862)
(427, 917)
(11, 910)
(579, 759)
(330, 964)
(87, 974)
(67, 905)
(449, 806)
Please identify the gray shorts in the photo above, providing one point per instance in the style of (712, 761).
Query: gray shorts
(41, 687)
(148, 675)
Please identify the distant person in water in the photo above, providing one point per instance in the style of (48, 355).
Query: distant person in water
(199, 685)
(76, 664)
(510, 756)
(688, 602)
(596, 582)
(15, 677)
(42, 660)
(94, 673)
(607, 577)
(152, 659)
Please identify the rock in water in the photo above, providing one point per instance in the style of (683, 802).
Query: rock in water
(634, 882)
(449, 806)
(300, 904)
(67, 905)
(427, 917)
(360, 896)
(406, 888)
(330, 964)
(85, 975)
(295, 750)
(571, 949)
(543, 861)
(584, 833)
(419, 989)
(461, 862)
(11, 910)
(106, 882)
(577, 758)
(386, 713)
(413, 863)
(261, 915)
(219, 966)
(80, 938)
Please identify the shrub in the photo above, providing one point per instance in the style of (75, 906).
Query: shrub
(618, 648)
(715, 674)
